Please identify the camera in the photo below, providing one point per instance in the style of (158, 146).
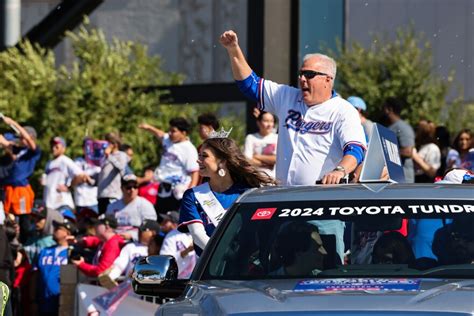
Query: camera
(76, 252)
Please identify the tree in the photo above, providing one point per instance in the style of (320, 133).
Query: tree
(400, 68)
(93, 96)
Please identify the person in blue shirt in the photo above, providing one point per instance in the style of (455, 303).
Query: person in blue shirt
(49, 267)
(227, 174)
(24, 153)
(42, 236)
(422, 232)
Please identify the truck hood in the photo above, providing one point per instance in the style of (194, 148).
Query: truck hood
(286, 297)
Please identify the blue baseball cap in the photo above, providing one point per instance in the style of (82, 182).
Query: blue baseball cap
(357, 102)
(67, 212)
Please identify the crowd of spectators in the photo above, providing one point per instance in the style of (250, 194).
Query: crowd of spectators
(101, 217)
(94, 212)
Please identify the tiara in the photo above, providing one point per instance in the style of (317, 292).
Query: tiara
(220, 134)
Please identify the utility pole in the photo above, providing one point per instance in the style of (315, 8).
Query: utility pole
(10, 18)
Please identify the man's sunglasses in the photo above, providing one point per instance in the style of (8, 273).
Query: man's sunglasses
(130, 187)
(310, 74)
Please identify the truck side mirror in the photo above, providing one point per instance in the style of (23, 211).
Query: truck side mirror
(157, 276)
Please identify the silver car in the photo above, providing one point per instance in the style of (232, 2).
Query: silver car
(362, 249)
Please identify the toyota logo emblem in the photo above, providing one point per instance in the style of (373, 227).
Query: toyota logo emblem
(264, 213)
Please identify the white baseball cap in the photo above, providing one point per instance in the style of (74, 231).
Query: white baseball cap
(455, 176)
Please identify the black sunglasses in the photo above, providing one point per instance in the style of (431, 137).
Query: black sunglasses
(129, 187)
(310, 74)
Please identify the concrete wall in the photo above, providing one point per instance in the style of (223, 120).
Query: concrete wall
(183, 32)
(447, 24)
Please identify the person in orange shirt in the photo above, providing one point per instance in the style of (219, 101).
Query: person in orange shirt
(24, 154)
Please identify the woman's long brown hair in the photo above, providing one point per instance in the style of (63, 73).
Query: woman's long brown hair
(241, 171)
(425, 133)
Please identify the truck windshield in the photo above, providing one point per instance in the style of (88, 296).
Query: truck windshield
(346, 239)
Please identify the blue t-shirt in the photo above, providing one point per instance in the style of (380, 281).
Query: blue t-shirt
(421, 233)
(35, 244)
(22, 168)
(49, 266)
(192, 212)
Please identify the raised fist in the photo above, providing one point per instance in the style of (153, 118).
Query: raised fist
(229, 39)
(144, 126)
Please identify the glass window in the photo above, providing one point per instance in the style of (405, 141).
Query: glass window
(330, 239)
(321, 22)
(184, 33)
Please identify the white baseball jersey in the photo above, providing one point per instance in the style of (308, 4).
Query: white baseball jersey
(311, 140)
(125, 262)
(84, 193)
(173, 244)
(60, 170)
(256, 144)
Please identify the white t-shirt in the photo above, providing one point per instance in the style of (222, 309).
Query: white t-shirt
(311, 140)
(453, 158)
(177, 162)
(173, 244)
(84, 193)
(125, 262)
(60, 170)
(431, 155)
(132, 214)
(256, 144)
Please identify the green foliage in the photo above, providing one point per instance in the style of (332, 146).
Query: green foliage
(94, 95)
(400, 68)
(231, 118)
(460, 116)
(27, 81)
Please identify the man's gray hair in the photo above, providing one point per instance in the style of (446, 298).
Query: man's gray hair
(329, 64)
(31, 131)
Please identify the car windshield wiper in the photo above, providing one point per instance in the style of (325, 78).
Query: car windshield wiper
(370, 270)
(451, 271)
(400, 270)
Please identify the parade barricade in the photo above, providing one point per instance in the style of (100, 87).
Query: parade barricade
(81, 296)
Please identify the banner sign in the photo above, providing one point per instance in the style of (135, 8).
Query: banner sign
(382, 152)
(330, 285)
(94, 151)
(110, 300)
(131, 304)
(333, 210)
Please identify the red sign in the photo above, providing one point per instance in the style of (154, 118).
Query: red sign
(263, 213)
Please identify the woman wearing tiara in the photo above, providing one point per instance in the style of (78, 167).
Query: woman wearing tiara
(229, 174)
